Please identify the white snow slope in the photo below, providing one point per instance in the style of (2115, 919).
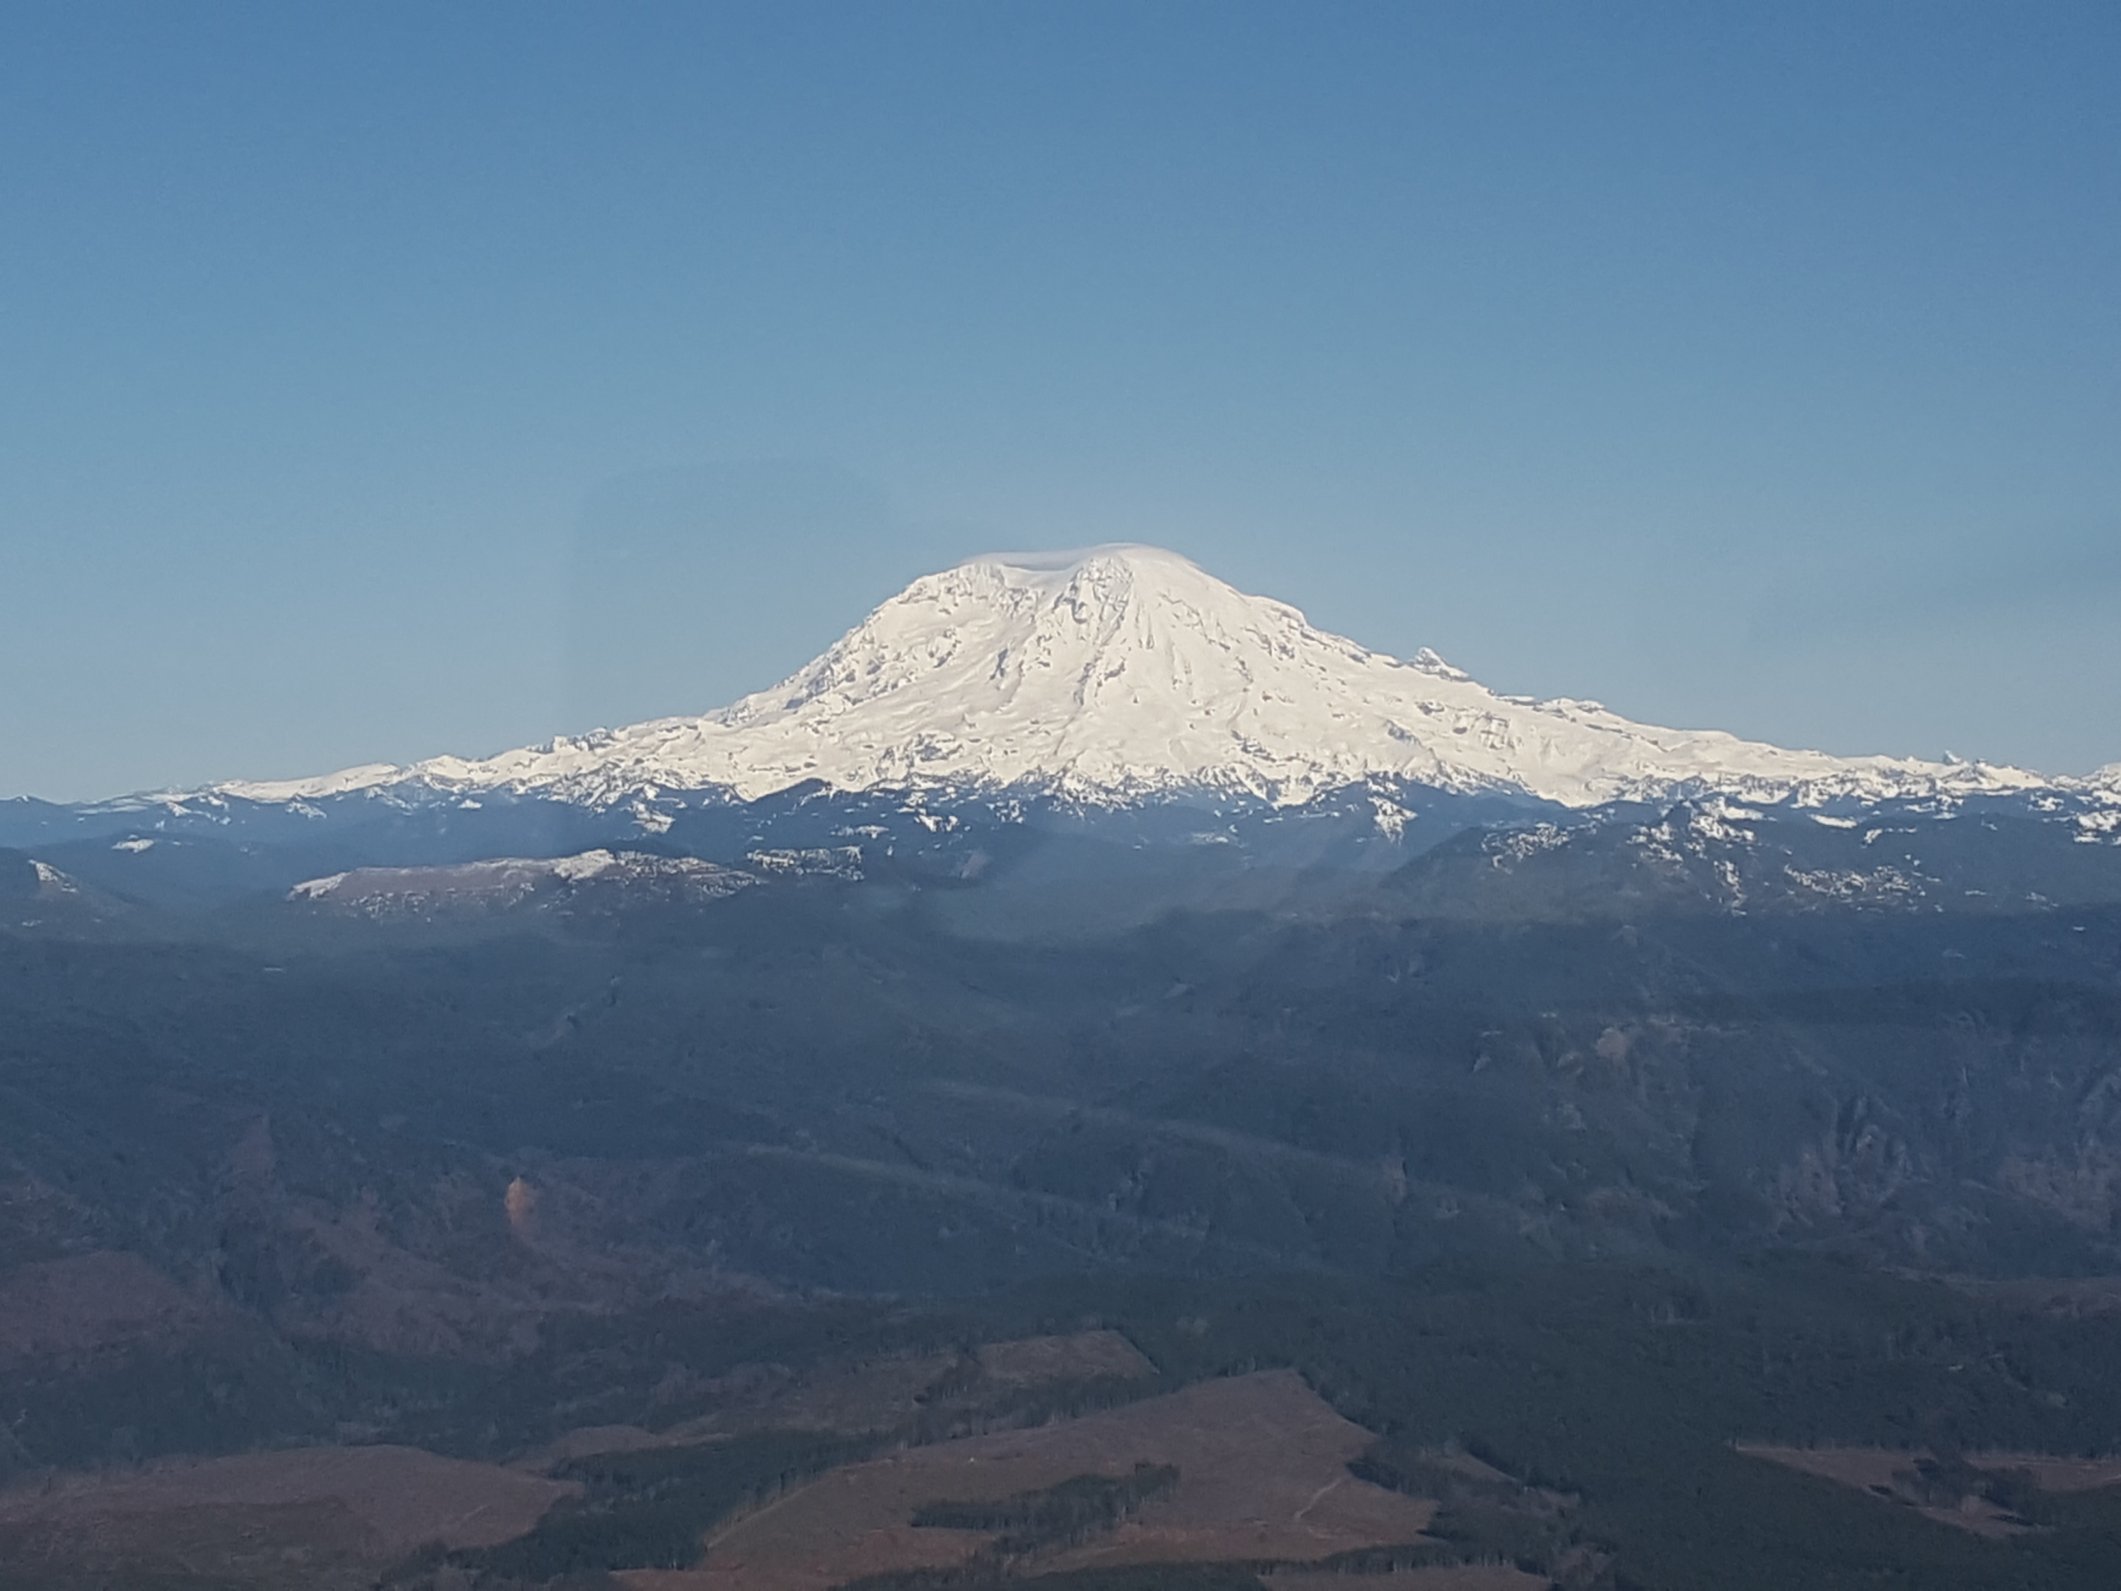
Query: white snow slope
(1126, 671)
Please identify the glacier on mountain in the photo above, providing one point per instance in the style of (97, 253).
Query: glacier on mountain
(1127, 672)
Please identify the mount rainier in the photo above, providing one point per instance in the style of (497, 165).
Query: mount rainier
(1125, 672)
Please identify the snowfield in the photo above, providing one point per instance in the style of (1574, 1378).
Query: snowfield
(1126, 671)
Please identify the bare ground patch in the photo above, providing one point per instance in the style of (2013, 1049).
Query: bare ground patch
(876, 1395)
(317, 1546)
(2052, 1474)
(1262, 1474)
(376, 1501)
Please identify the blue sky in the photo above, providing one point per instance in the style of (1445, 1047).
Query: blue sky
(389, 379)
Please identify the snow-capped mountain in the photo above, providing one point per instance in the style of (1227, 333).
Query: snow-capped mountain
(1124, 672)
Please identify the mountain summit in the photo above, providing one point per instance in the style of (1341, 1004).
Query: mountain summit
(1121, 672)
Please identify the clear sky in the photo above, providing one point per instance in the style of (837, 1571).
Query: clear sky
(381, 380)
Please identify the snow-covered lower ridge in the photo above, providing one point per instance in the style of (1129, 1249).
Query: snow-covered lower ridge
(509, 878)
(51, 880)
(1122, 672)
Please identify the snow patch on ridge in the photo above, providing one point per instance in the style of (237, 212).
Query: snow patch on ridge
(506, 880)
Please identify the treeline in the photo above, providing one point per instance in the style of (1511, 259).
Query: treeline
(651, 1508)
(1135, 1577)
(1057, 1516)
